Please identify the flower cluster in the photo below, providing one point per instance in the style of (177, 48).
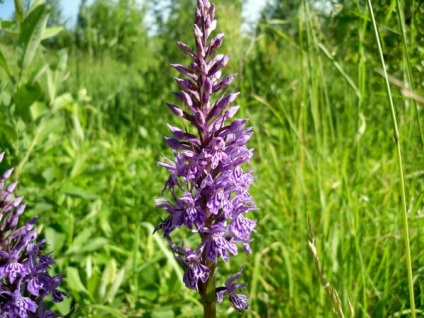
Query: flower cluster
(24, 280)
(208, 186)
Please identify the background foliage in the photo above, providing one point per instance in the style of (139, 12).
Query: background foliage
(82, 118)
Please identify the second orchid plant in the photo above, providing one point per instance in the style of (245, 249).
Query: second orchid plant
(207, 185)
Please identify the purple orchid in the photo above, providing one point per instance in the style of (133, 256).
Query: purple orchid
(208, 186)
(24, 280)
(238, 301)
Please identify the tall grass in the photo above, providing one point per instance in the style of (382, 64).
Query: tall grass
(397, 138)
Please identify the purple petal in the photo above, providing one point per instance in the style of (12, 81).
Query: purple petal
(12, 270)
(220, 294)
(242, 227)
(221, 63)
(221, 104)
(215, 43)
(224, 83)
(175, 144)
(184, 70)
(186, 50)
(239, 301)
(11, 187)
(7, 173)
(185, 98)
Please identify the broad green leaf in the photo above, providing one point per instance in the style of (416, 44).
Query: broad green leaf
(51, 32)
(79, 192)
(113, 312)
(74, 280)
(94, 244)
(65, 306)
(3, 63)
(85, 244)
(116, 285)
(37, 109)
(148, 273)
(54, 239)
(81, 239)
(50, 126)
(48, 174)
(92, 286)
(163, 313)
(8, 132)
(26, 95)
(41, 207)
(5, 98)
(62, 101)
(36, 3)
(149, 292)
(31, 34)
(108, 276)
(38, 73)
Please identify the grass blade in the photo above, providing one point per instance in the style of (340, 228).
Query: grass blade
(401, 21)
(400, 165)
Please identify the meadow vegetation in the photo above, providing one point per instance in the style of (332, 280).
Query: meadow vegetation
(84, 121)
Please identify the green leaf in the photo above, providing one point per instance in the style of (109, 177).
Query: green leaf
(48, 174)
(37, 109)
(3, 63)
(31, 34)
(108, 276)
(26, 95)
(5, 98)
(163, 313)
(74, 280)
(64, 306)
(79, 192)
(81, 239)
(62, 101)
(51, 32)
(6, 24)
(83, 243)
(149, 292)
(92, 286)
(54, 239)
(148, 273)
(8, 131)
(113, 312)
(50, 126)
(94, 244)
(163, 246)
(115, 286)
(36, 75)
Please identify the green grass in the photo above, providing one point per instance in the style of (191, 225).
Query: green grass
(323, 145)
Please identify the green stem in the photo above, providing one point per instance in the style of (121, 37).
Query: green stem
(19, 11)
(400, 165)
(409, 68)
(208, 294)
(31, 147)
(209, 310)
